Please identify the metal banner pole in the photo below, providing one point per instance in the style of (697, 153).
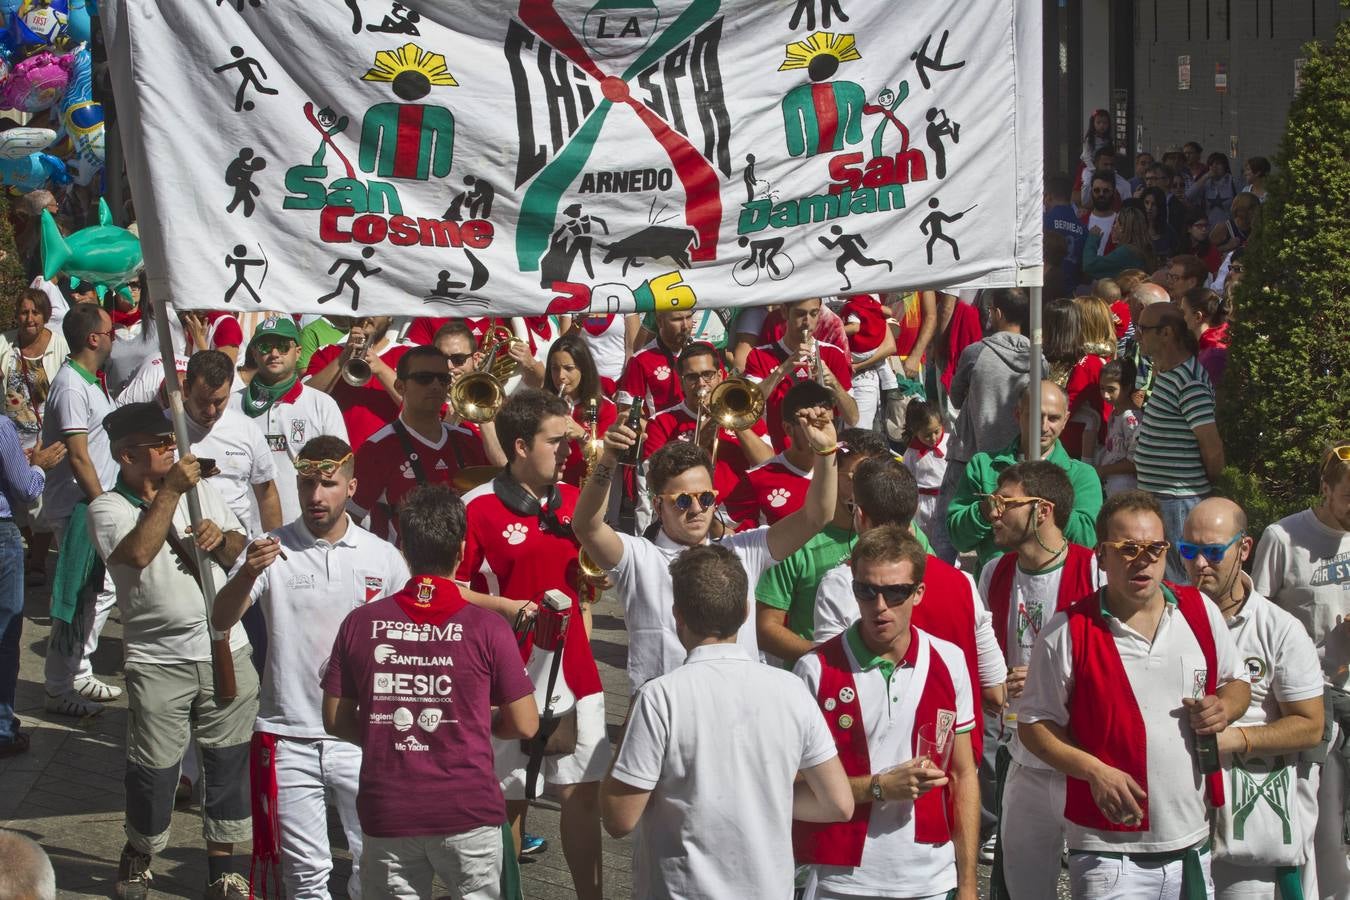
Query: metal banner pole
(1033, 436)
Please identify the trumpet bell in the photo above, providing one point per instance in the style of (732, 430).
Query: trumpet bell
(356, 372)
(736, 404)
(476, 397)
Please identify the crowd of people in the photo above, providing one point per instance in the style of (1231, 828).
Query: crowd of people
(883, 625)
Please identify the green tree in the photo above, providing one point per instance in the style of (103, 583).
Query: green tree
(1286, 393)
(11, 267)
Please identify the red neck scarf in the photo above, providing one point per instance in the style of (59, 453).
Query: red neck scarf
(430, 600)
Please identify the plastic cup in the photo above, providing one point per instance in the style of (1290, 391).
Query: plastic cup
(938, 753)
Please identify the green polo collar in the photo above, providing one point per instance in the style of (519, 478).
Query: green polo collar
(868, 660)
(1168, 596)
(82, 371)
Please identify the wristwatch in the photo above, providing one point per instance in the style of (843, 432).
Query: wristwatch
(875, 789)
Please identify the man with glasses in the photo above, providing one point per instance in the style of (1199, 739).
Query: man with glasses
(457, 343)
(142, 530)
(897, 700)
(777, 487)
(77, 404)
(650, 375)
(1184, 272)
(684, 502)
(306, 577)
(968, 516)
(289, 412)
(1302, 563)
(1125, 690)
(367, 407)
(417, 447)
(700, 367)
(1041, 574)
(1257, 852)
(1178, 455)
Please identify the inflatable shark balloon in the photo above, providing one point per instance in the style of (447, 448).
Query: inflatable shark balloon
(103, 254)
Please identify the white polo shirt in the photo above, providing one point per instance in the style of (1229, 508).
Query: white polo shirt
(1279, 657)
(894, 864)
(76, 404)
(1031, 603)
(304, 599)
(163, 612)
(642, 578)
(1160, 673)
(240, 451)
(286, 426)
(837, 609)
(718, 742)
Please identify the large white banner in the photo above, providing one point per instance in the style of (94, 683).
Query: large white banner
(461, 156)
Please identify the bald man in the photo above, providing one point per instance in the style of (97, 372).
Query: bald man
(1284, 718)
(968, 516)
(25, 871)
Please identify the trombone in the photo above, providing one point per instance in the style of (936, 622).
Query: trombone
(735, 405)
(477, 396)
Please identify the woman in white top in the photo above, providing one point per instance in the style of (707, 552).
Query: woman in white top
(30, 354)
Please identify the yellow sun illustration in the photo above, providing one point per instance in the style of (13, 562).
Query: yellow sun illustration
(800, 54)
(410, 58)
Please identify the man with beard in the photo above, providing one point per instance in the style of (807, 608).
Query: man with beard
(306, 577)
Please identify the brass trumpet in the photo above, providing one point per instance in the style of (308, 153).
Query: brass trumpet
(497, 344)
(357, 371)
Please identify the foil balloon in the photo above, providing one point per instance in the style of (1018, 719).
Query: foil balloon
(82, 119)
(78, 25)
(37, 82)
(39, 23)
(33, 171)
(16, 143)
(103, 254)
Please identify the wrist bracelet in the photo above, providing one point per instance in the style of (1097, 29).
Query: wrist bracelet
(1246, 741)
(828, 451)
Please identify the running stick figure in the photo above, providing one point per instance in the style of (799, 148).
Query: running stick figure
(245, 66)
(851, 247)
(350, 269)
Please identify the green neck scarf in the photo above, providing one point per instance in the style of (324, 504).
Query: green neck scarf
(259, 397)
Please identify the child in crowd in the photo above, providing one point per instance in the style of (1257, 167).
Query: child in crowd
(926, 457)
(871, 344)
(1115, 461)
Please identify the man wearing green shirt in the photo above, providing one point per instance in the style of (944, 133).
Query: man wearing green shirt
(320, 333)
(968, 515)
(786, 595)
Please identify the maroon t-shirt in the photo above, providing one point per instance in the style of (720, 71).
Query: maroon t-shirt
(425, 684)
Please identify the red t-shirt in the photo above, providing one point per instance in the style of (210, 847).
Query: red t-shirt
(511, 555)
(1120, 318)
(1084, 389)
(425, 684)
(423, 330)
(765, 358)
(867, 311)
(653, 377)
(677, 423)
(222, 330)
(385, 473)
(774, 490)
(367, 408)
(829, 328)
(606, 414)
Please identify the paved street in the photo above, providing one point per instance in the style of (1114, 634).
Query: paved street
(67, 792)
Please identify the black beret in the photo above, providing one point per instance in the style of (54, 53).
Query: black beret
(136, 418)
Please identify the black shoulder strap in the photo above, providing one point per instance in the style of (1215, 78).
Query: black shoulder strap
(409, 451)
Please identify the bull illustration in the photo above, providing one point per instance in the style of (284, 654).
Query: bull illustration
(653, 242)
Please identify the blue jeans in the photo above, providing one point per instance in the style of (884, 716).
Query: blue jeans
(11, 625)
(1175, 509)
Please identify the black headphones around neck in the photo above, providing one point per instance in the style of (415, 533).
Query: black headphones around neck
(521, 502)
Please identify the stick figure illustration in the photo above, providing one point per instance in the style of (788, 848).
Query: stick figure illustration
(356, 15)
(245, 65)
(449, 289)
(850, 247)
(570, 240)
(350, 269)
(400, 20)
(887, 103)
(808, 8)
(923, 62)
(939, 126)
(240, 4)
(239, 175)
(749, 177)
(241, 263)
(475, 202)
(932, 226)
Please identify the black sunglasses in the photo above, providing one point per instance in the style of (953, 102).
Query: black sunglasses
(426, 378)
(893, 594)
(458, 359)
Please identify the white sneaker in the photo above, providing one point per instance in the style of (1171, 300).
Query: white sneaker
(987, 849)
(91, 688)
(72, 704)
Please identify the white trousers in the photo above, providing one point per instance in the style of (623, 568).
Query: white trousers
(307, 771)
(469, 864)
(1093, 877)
(866, 393)
(61, 671)
(1333, 873)
(1032, 831)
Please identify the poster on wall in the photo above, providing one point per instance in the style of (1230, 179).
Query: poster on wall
(1183, 73)
(419, 158)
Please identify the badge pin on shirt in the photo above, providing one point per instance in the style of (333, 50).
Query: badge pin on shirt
(846, 695)
(845, 721)
(829, 704)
